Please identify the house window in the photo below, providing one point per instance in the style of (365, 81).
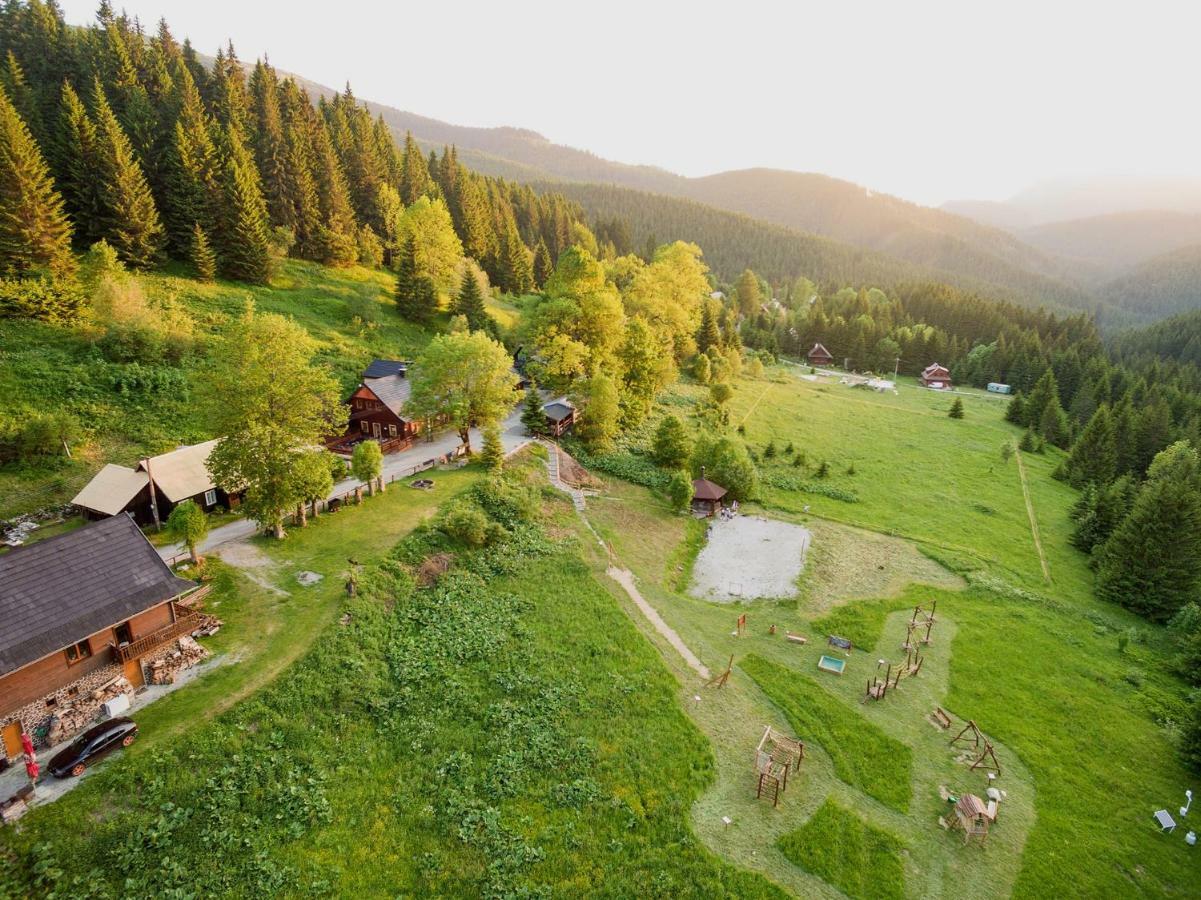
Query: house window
(78, 652)
(364, 425)
(392, 430)
(210, 498)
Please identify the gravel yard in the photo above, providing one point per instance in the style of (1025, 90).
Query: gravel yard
(748, 558)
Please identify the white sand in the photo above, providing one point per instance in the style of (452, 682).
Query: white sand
(748, 558)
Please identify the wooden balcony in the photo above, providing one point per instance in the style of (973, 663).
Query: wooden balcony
(185, 624)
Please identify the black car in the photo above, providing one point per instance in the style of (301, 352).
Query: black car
(93, 744)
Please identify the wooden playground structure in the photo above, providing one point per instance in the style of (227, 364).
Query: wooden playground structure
(984, 756)
(973, 817)
(775, 757)
(877, 688)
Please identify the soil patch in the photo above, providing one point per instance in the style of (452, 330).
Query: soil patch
(749, 558)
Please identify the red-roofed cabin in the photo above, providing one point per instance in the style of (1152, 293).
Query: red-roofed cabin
(936, 376)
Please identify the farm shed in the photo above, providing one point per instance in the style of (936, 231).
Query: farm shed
(78, 612)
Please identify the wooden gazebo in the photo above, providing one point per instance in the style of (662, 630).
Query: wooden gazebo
(706, 496)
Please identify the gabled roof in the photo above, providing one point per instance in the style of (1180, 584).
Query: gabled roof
(111, 490)
(382, 368)
(933, 368)
(393, 391)
(559, 409)
(58, 591)
(704, 489)
(820, 350)
(182, 473)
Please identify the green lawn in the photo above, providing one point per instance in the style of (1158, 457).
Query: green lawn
(1084, 732)
(836, 844)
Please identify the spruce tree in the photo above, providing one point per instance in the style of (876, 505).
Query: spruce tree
(956, 410)
(708, 335)
(1036, 404)
(493, 454)
(532, 416)
(192, 168)
(270, 148)
(1152, 561)
(1054, 426)
(1028, 442)
(34, 230)
(518, 274)
(338, 227)
(416, 296)
(129, 217)
(204, 260)
(544, 266)
(244, 248)
(470, 301)
(1094, 456)
(1015, 412)
(414, 173)
(78, 167)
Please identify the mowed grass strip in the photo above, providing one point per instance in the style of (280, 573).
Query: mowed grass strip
(863, 755)
(838, 846)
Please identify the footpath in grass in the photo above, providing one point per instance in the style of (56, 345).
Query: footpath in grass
(861, 861)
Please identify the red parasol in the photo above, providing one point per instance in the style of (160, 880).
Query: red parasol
(31, 761)
(27, 743)
(31, 768)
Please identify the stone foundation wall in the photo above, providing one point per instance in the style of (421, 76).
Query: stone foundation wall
(74, 708)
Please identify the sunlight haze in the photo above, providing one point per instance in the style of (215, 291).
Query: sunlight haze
(873, 93)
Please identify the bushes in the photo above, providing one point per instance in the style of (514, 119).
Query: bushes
(726, 462)
(672, 445)
(40, 298)
(786, 482)
(37, 437)
(679, 490)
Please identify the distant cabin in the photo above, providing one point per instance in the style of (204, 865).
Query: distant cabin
(936, 376)
(560, 415)
(820, 356)
(997, 388)
(377, 408)
(172, 477)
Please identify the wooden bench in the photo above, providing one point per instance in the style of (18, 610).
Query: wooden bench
(796, 638)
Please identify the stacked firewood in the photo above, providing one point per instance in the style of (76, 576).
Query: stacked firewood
(72, 718)
(164, 669)
(207, 625)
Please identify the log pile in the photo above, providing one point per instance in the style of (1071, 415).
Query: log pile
(164, 669)
(207, 625)
(71, 718)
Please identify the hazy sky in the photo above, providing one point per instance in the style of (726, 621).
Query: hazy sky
(928, 100)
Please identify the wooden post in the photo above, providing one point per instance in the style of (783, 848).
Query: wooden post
(158, 525)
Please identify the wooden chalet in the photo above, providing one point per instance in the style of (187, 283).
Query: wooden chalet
(376, 408)
(707, 496)
(936, 376)
(820, 356)
(156, 482)
(77, 611)
(560, 415)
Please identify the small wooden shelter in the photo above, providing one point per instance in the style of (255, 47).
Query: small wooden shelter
(820, 356)
(707, 496)
(973, 817)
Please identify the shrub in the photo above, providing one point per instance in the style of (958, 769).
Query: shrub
(726, 462)
(851, 469)
(702, 369)
(679, 490)
(789, 450)
(466, 523)
(823, 470)
(769, 451)
(720, 393)
(40, 298)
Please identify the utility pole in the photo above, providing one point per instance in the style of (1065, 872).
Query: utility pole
(896, 369)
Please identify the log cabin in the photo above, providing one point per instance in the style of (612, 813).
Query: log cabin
(936, 376)
(376, 408)
(156, 482)
(77, 611)
(820, 356)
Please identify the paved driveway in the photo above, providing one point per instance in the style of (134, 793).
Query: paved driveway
(512, 436)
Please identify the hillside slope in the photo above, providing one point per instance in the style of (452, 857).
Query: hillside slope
(1159, 287)
(1106, 245)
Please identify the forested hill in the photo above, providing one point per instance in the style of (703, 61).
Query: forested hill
(733, 241)
(1162, 286)
(1177, 338)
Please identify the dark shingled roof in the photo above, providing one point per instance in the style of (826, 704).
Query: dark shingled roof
(558, 410)
(60, 590)
(382, 368)
(392, 391)
(704, 489)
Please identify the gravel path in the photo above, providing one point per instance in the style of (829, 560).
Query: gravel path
(747, 558)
